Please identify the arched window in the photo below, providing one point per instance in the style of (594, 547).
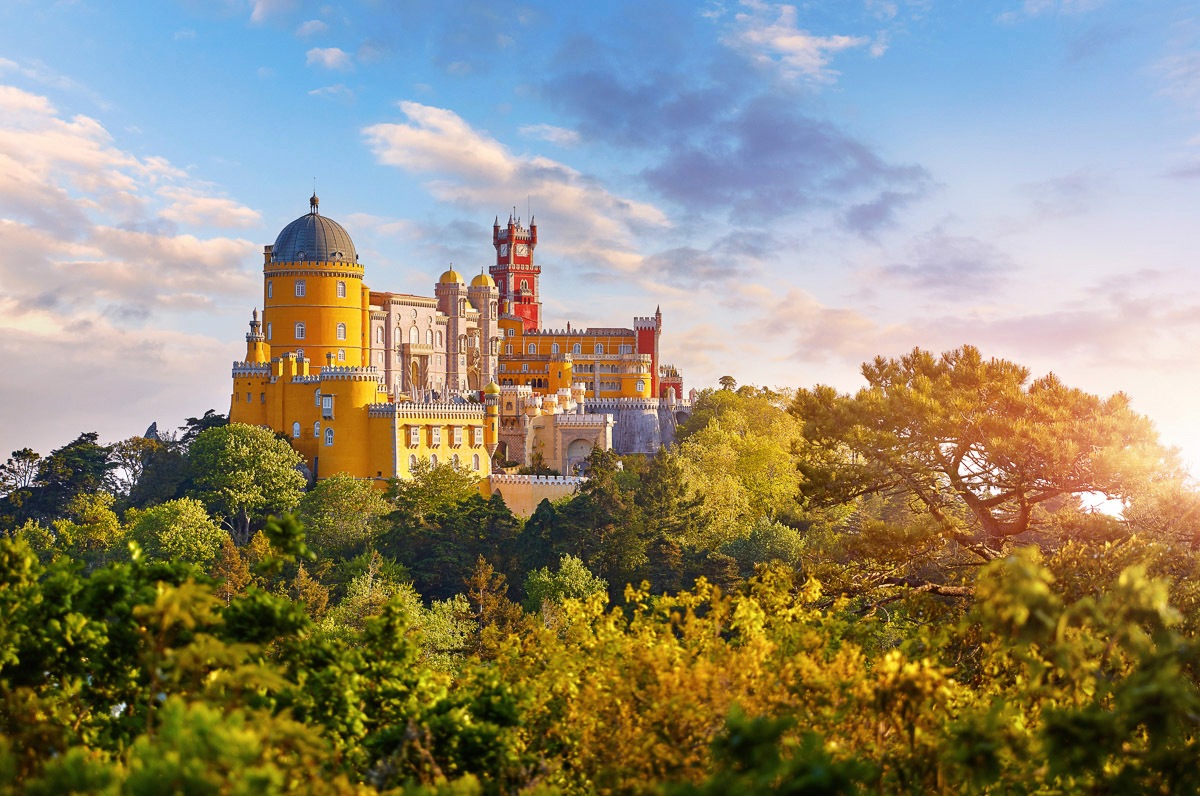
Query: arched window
(329, 436)
(300, 330)
(270, 289)
(475, 462)
(554, 348)
(341, 355)
(341, 289)
(296, 430)
(462, 306)
(577, 349)
(599, 348)
(412, 462)
(524, 284)
(341, 331)
(433, 459)
(317, 397)
(493, 309)
(531, 348)
(317, 430)
(299, 353)
(429, 337)
(414, 336)
(641, 385)
(439, 339)
(299, 287)
(269, 330)
(379, 335)
(457, 463)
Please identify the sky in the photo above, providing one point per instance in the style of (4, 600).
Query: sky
(801, 187)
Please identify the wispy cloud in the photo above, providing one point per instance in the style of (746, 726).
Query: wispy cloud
(338, 91)
(329, 58)
(312, 27)
(559, 136)
(770, 34)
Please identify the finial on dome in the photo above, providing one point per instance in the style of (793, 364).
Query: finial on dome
(313, 201)
(254, 315)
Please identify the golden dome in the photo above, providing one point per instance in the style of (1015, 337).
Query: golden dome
(483, 280)
(492, 388)
(451, 276)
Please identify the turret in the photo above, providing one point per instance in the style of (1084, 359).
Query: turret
(256, 347)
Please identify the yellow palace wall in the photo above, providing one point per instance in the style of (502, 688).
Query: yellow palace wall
(531, 358)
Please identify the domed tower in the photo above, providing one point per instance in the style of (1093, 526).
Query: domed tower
(313, 292)
(485, 298)
(451, 291)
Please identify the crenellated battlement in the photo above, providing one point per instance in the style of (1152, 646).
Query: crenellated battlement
(423, 411)
(625, 403)
(498, 479)
(251, 369)
(645, 323)
(349, 373)
(581, 421)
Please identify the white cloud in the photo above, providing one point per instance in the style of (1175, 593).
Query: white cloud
(1037, 8)
(475, 172)
(769, 34)
(336, 91)
(329, 58)
(312, 27)
(262, 10)
(92, 265)
(559, 136)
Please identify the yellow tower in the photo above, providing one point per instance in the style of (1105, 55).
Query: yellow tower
(314, 301)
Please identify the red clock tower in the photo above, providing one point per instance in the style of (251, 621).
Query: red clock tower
(515, 274)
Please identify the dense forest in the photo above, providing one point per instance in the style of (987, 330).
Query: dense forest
(908, 589)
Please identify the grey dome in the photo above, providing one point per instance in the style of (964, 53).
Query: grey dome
(313, 238)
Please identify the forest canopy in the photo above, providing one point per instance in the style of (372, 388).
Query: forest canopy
(900, 590)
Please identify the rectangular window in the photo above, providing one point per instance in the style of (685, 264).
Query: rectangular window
(341, 289)
(626, 349)
(270, 290)
(299, 287)
(477, 436)
(414, 436)
(435, 436)
(457, 436)
(268, 331)
(262, 397)
(300, 330)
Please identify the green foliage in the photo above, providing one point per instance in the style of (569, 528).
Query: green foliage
(343, 516)
(178, 529)
(571, 581)
(242, 473)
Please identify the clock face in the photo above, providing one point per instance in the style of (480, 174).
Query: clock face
(503, 249)
(521, 250)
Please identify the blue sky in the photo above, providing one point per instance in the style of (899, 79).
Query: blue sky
(800, 186)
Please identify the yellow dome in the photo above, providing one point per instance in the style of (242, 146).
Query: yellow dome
(451, 276)
(492, 388)
(483, 280)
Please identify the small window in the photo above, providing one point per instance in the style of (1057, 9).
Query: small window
(379, 335)
(439, 339)
(300, 330)
(412, 462)
(457, 436)
(269, 331)
(475, 462)
(262, 397)
(435, 436)
(433, 459)
(429, 337)
(476, 438)
(296, 430)
(511, 332)
(531, 348)
(247, 397)
(341, 331)
(341, 355)
(317, 430)
(524, 284)
(317, 397)
(299, 287)
(577, 349)
(554, 348)
(508, 349)
(457, 462)
(329, 436)
(524, 367)
(270, 289)
(641, 385)
(341, 289)
(299, 353)
(599, 348)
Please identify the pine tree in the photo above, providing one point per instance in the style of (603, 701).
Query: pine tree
(230, 571)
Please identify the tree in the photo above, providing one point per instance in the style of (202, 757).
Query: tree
(343, 515)
(572, 580)
(177, 530)
(727, 382)
(195, 426)
(977, 445)
(432, 489)
(230, 571)
(129, 459)
(79, 467)
(20, 471)
(244, 473)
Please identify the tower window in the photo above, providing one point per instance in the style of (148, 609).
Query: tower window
(379, 335)
(299, 353)
(524, 284)
(270, 289)
(341, 289)
(299, 287)
(329, 436)
(341, 331)
(317, 430)
(341, 355)
(262, 397)
(268, 331)
(300, 330)
(296, 430)
(429, 337)
(317, 397)
(439, 339)
(641, 385)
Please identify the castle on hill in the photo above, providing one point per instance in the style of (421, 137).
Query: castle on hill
(369, 382)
